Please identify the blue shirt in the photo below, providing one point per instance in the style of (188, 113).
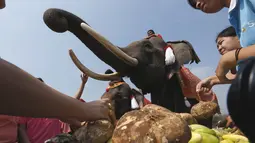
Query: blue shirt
(242, 18)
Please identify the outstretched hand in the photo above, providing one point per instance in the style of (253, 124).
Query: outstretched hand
(94, 110)
(84, 78)
(204, 86)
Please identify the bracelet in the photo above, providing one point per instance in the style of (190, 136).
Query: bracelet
(237, 53)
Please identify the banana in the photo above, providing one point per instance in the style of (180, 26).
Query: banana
(200, 128)
(208, 138)
(235, 138)
(195, 138)
(197, 126)
(208, 131)
(226, 141)
(218, 133)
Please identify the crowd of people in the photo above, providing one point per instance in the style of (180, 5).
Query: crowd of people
(31, 121)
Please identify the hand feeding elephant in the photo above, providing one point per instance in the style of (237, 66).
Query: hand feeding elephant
(121, 95)
(142, 61)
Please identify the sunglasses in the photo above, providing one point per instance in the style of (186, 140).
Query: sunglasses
(193, 3)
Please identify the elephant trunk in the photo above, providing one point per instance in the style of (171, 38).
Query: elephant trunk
(61, 21)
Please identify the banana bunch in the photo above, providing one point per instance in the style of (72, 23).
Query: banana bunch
(228, 136)
(232, 138)
(202, 134)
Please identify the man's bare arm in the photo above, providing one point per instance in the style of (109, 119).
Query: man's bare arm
(23, 95)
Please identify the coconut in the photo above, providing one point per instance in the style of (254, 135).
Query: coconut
(95, 132)
(204, 110)
(151, 124)
(188, 118)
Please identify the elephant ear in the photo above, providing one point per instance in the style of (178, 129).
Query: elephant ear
(184, 52)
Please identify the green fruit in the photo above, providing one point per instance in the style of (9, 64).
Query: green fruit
(193, 127)
(208, 131)
(218, 133)
(208, 138)
(235, 138)
(195, 138)
(226, 141)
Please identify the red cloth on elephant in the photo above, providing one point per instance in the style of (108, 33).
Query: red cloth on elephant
(188, 85)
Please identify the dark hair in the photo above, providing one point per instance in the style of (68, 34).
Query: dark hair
(150, 31)
(40, 79)
(192, 3)
(227, 32)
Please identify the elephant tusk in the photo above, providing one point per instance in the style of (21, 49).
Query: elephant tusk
(85, 70)
(107, 44)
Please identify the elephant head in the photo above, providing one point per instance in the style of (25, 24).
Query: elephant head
(142, 61)
(119, 92)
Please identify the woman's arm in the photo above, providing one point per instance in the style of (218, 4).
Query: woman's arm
(23, 95)
(228, 60)
(215, 80)
(246, 52)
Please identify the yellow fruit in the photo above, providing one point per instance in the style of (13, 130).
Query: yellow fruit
(208, 138)
(197, 126)
(208, 131)
(235, 138)
(226, 141)
(218, 133)
(195, 138)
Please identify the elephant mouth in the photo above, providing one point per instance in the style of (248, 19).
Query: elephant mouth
(109, 46)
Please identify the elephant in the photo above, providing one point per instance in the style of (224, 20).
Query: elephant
(142, 61)
(120, 93)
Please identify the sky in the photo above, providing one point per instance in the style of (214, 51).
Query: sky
(28, 43)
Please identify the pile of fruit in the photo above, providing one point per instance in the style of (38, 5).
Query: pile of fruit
(202, 134)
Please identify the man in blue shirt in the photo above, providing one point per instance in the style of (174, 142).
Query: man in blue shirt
(242, 18)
